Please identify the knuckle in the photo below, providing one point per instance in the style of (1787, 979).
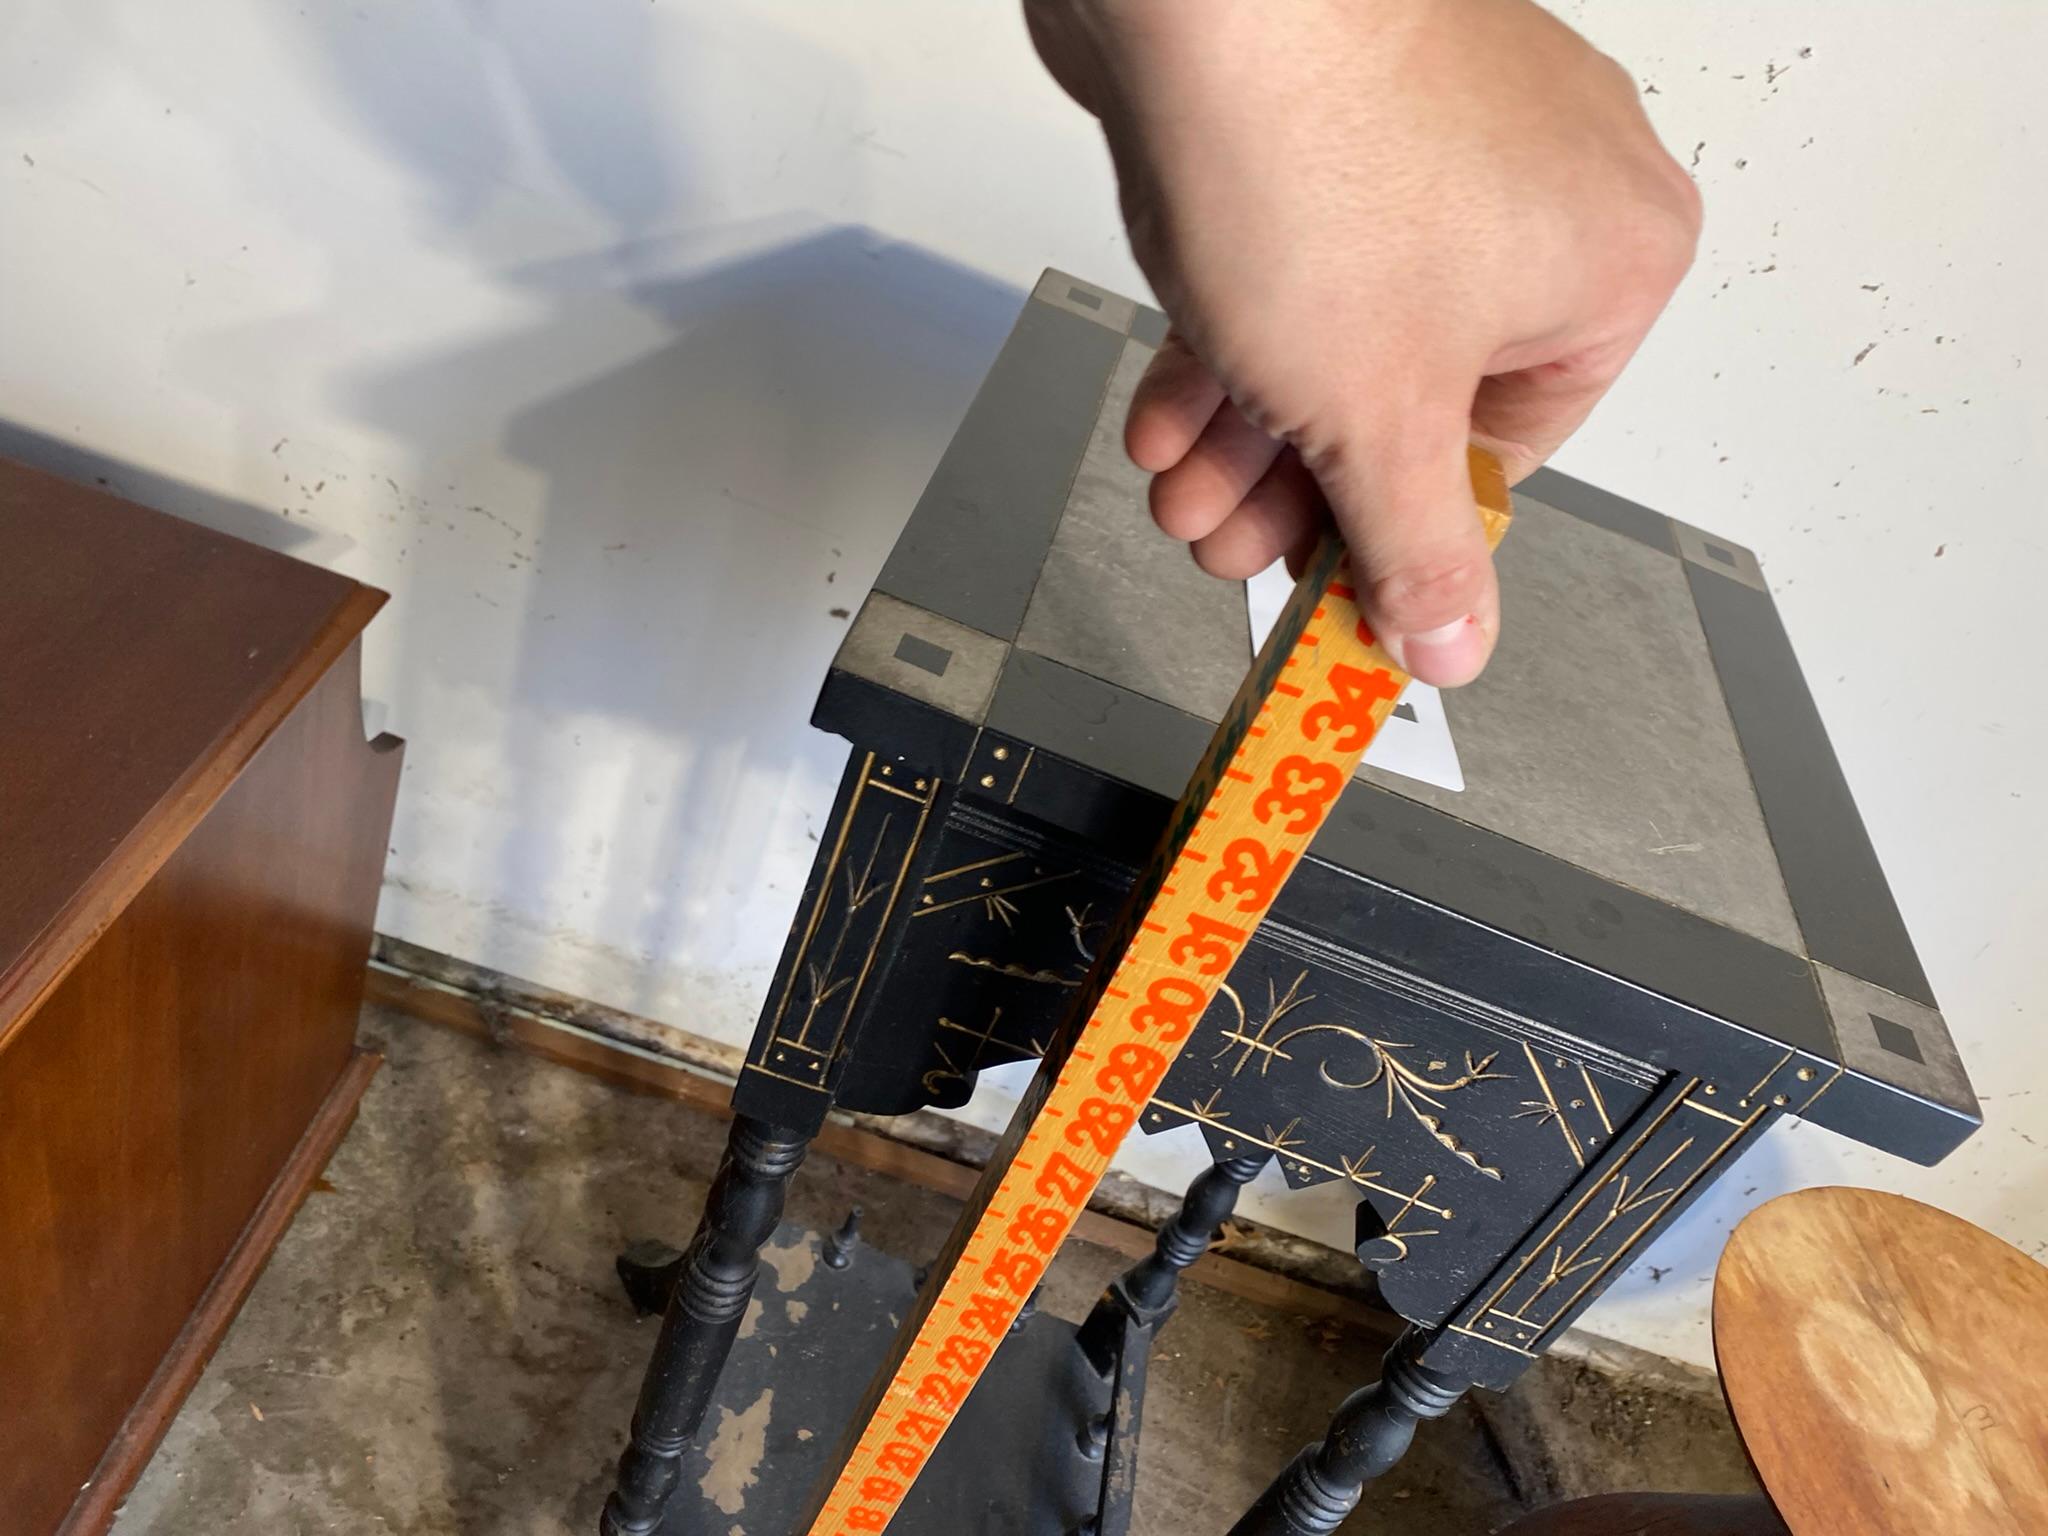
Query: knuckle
(1660, 236)
(1692, 207)
(1679, 230)
(1325, 449)
(1668, 219)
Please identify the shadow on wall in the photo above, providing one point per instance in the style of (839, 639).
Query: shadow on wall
(708, 456)
(616, 516)
(466, 96)
(223, 514)
(619, 521)
(706, 443)
(618, 494)
(709, 511)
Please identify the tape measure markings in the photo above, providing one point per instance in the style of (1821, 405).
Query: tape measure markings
(1277, 763)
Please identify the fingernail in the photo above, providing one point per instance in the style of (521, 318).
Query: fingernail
(1445, 657)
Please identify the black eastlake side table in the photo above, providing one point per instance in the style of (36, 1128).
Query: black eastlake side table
(1528, 1021)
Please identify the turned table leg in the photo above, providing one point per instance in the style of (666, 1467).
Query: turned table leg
(703, 1318)
(1371, 1431)
(1146, 1294)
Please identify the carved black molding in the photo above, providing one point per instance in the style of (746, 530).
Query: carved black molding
(847, 937)
(998, 934)
(1671, 1150)
(1439, 1108)
(943, 934)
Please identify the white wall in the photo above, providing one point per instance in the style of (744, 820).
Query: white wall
(615, 339)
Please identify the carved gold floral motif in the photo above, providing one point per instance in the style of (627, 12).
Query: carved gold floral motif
(1420, 1091)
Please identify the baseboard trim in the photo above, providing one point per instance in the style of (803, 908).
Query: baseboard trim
(136, 1441)
(924, 1149)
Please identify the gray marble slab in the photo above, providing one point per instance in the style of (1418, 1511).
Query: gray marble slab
(1599, 733)
(1120, 600)
(1649, 789)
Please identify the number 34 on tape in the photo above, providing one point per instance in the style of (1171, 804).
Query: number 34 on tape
(1316, 695)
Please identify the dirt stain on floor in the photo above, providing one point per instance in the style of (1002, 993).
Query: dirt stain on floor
(440, 1347)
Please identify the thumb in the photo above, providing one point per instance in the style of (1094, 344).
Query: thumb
(1399, 487)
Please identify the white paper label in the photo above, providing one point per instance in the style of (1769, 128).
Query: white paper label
(1416, 740)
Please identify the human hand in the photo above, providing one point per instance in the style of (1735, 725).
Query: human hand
(1381, 229)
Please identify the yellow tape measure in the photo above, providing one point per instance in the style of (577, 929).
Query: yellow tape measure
(1286, 748)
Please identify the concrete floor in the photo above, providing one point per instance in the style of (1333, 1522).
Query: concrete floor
(439, 1345)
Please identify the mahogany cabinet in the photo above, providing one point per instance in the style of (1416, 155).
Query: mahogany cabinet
(192, 836)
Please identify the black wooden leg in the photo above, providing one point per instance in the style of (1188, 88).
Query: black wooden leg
(703, 1318)
(1207, 1205)
(1370, 1433)
(1146, 1294)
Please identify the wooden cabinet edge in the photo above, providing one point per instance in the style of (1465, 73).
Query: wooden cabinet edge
(99, 1501)
(314, 721)
(136, 859)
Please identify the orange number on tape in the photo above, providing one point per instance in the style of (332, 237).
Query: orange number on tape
(1250, 871)
(1171, 1006)
(1298, 791)
(902, 1459)
(1351, 711)
(1062, 1178)
(1206, 946)
(943, 1393)
(991, 1314)
(961, 1353)
(1040, 1227)
(1101, 1124)
(1131, 1070)
(1019, 1271)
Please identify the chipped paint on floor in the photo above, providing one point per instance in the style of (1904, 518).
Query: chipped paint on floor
(735, 1453)
(440, 1347)
(792, 1262)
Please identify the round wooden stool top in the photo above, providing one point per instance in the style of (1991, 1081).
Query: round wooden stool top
(1887, 1366)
